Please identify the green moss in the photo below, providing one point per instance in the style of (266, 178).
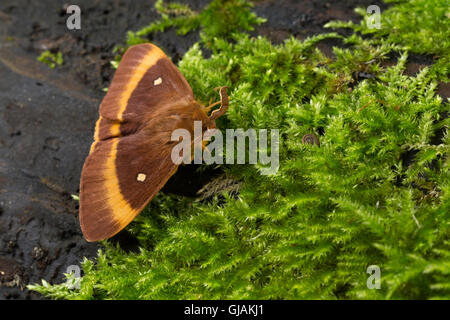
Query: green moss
(420, 26)
(311, 230)
(51, 59)
(220, 19)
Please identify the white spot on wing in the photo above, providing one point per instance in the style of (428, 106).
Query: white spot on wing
(158, 81)
(141, 177)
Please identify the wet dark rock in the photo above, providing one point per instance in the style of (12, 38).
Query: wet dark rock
(306, 18)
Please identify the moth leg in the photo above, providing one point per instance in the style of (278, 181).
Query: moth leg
(208, 108)
(224, 104)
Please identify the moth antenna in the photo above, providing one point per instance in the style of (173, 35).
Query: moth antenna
(224, 104)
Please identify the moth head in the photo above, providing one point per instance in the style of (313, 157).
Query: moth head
(201, 114)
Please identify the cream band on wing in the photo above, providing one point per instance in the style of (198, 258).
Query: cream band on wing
(122, 211)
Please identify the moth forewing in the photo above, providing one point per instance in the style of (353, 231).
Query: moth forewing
(130, 158)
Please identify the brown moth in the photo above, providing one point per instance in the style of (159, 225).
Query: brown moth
(130, 158)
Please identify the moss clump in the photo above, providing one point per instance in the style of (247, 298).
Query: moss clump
(51, 59)
(420, 26)
(376, 191)
(220, 19)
